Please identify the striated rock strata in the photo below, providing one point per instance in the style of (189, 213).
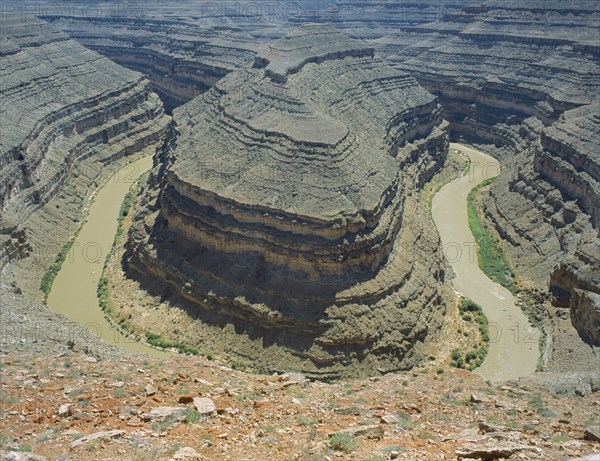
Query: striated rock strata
(520, 79)
(67, 115)
(289, 206)
(181, 58)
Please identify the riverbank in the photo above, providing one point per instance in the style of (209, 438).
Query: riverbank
(513, 349)
(74, 289)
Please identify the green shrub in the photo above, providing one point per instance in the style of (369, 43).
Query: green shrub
(490, 256)
(405, 422)
(155, 340)
(343, 441)
(537, 403)
(192, 416)
(303, 420)
(53, 270)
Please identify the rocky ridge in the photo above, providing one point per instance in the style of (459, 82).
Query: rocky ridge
(181, 58)
(295, 215)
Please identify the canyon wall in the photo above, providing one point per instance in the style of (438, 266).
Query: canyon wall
(181, 59)
(289, 206)
(520, 79)
(68, 116)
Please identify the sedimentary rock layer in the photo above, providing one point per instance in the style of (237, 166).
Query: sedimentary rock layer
(67, 114)
(181, 58)
(522, 78)
(286, 206)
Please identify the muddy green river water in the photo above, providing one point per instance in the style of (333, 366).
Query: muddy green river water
(513, 349)
(73, 292)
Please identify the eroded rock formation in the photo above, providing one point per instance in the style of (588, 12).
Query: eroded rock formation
(290, 207)
(67, 115)
(521, 79)
(181, 58)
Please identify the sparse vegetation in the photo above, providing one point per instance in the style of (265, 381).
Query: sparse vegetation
(470, 311)
(342, 441)
(156, 340)
(538, 404)
(405, 422)
(303, 420)
(52, 271)
(162, 426)
(120, 394)
(192, 416)
(491, 258)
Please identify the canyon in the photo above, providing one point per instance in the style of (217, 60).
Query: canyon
(281, 208)
(285, 224)
(517, 80)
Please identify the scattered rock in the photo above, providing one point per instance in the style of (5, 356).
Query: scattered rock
(65, 410)
(134, 422)
(116, 385)
(475, 398)
(485, 428)
(374, 430)
(186, 453)
(204, 406)
(96, 436)
(150, 390)
(389, 419)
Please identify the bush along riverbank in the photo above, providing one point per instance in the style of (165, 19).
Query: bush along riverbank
(471, 312)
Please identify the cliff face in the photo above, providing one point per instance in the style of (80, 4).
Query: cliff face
(285, 209)
(181, 59)
(67, 115)
(520, 80)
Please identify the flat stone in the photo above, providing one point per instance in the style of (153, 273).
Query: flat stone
(374, 430)
(186, 453)
(592, 433)
(65, 410)
(389, 419)
(96, 436)
(150, 390)
(490, 452)
(162, 413)
(204, 406)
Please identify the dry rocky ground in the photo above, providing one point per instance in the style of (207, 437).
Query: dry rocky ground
(76, 407)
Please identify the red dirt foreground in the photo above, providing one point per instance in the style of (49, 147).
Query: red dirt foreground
(73, 407)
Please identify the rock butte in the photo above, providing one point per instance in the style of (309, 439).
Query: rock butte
(286, 210)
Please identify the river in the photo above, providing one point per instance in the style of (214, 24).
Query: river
(513, 349)
(73, 292)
